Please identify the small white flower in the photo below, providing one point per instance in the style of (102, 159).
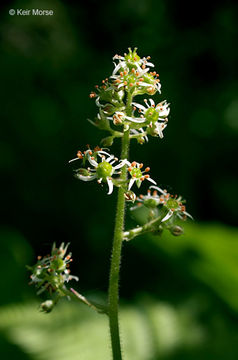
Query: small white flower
(139, 134)
(119, 117)
(101, 170)
(150, 111)
(154, 116)
(137, 175)
(174, 204)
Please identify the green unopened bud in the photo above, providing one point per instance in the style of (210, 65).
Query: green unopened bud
(108, 141)
(176, 230)
(83, 172)
(132, 56)
(109, 109)
(47, 306)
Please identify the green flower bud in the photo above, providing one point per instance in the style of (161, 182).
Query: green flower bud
(132, 56)
(176, 230)
(47, 306)
(150, 203)
(108, 141)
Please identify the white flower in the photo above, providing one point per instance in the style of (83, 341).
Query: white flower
(150, 111)
(132, 72)
(141, 134)
(102, 170)
(139, 63)
(137, 175)
(119, 117)
(154, 116)
(174, 204)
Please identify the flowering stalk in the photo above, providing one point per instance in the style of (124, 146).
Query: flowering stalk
(113, 295)
(122, 117)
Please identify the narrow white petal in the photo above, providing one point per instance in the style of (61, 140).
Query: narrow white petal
(86, 178)
(149, 64)
(97, 102)
(144, 71)
(164, 112)
(122, 163)
(187, 214)
(118, 66)
(73, 159)
(136, 120)
(159, 130)
(92, 162)
(133, 131)
(110, 186)
(142, 83)
(152, 181)
(109, 158)
(121, 85)
(103, 152)
(131, 183)
(158, 189)
(152, 103)
(139, 106)
(168, 216)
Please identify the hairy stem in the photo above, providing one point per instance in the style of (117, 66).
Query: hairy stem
(152, 225)
(113, 294)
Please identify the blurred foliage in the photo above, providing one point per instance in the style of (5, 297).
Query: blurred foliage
(197, 324)
(179, 294)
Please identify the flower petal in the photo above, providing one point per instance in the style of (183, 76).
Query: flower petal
(131, 182)
(167, 216)
(158, 189)
(151, 180)
(110, 186)
(139, 106)
(86, 178)
(136, 120)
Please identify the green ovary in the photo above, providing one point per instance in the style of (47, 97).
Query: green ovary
(151, 114)
(58, 264)
(104, 170)
(172, 204)
(135, 172)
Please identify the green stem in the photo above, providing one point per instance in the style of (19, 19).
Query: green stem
(113, 295)
(152, 225)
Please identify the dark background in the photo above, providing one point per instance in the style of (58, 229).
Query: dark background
(49, 65)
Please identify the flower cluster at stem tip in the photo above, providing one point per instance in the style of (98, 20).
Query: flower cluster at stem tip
(131, 75)
(120, 112)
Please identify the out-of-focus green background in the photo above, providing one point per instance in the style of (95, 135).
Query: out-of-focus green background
(179, 296)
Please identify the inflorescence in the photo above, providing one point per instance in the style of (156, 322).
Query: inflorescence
(122, 117)
(131, 76)
(50, 274)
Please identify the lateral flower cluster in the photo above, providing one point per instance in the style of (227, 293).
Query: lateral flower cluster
(165, 207)
(50, 274)
(103, 166)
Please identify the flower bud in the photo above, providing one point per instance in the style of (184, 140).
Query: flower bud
(176, 230)
(130, 196)
(107, 141)
(47, 306)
